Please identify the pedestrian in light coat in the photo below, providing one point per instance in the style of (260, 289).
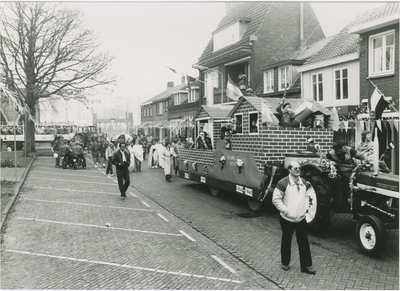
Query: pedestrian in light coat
(167, 156)
(290, 198)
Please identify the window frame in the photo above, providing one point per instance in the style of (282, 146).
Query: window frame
(237, 114)
(177, 99)
(289, 69)
(341, 83)
(258, 122)
(159, 108)
(267, 74)
(318, 84)
(371, 59)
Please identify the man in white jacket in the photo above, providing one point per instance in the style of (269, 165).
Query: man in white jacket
(290, 198)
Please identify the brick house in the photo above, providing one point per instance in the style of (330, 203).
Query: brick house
(250, 35)
(172, 111)
(378, 32)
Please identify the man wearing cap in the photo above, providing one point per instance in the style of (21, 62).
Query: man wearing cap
(122, 159)
(286, 115)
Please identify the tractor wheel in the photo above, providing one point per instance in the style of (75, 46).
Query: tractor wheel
(319, 209)
(371, 235)
(255, 205)
(215, 191)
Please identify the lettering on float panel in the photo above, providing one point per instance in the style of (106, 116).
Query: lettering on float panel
(239, 189)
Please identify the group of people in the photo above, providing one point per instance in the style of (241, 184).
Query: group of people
(68, 149)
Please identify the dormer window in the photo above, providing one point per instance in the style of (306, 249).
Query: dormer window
(229, 35)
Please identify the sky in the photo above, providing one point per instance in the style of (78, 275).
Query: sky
(145, 37)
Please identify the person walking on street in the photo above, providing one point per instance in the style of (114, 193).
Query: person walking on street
(121, 159)
(290, 198)
(57, 143)
(109, 155)
(168, 163)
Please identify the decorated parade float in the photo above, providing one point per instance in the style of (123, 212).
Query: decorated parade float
(249, 160)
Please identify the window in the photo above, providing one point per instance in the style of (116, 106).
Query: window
(229, 35)
(151, 110)
(159, 108)
(253, 117)
(239, 123)
(285, 78)
(381, 53)
(166, 106)
(193, 95)
(317, 87)
(341, 84)
(269, 81)
(177, 99)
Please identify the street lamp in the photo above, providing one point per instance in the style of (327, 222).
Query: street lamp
(203, 68)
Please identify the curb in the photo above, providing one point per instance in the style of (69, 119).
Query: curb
(16, 193)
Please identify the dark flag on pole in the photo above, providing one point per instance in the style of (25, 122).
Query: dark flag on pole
(377, 103)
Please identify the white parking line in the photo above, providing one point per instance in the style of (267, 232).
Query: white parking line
(147, 205)
(223, 264)
(65, 174)
(124, 266)
(61, 180)
(86, 204)
(162, 217)
(132, 194)
(188, 236)
(72, 190)
(99, 226)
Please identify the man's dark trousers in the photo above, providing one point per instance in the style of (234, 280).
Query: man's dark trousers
(302, 240)
(123, 176)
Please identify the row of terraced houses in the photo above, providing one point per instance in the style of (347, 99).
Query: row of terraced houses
(292, 59)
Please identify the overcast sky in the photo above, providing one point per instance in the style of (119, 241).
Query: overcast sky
(147, 36)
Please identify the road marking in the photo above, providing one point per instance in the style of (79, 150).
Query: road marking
(59, 180)
(132, 194)
(99, 226)
(162, 217)
(223, 264)
(124, 266)
(146, 204)
(72, 190)
(86, 204)
(64, 174)
(188, 236)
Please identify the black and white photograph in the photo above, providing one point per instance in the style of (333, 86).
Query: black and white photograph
(199, 145)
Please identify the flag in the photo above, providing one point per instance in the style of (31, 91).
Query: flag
(377, 103)
(267, 115)
(172, 70)
(335, 121)
(232, 91)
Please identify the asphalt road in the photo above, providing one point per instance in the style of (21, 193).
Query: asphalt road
(69, 230)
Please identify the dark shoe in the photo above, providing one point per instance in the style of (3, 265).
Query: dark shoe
(285, 267)
(123, 197)
(308, 270)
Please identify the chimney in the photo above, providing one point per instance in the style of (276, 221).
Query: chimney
(170, 84)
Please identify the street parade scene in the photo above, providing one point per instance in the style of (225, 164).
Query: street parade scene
(257, 149)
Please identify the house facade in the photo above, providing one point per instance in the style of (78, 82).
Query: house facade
(378, 31)
(250, 36)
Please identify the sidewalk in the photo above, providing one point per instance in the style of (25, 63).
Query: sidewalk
(9, 174)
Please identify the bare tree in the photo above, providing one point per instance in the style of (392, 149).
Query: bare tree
(45, 51)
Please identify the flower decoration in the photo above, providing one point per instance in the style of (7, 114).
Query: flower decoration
(194, 166)
(222, 161)
(333, 173)
(205, 169)
(239, 164)
(186, 163)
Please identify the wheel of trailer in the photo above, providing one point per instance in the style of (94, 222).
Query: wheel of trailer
(371, 235)
(319, 208)
(215, 191)
(255, 205)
